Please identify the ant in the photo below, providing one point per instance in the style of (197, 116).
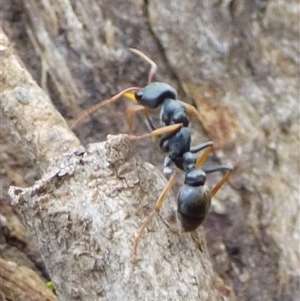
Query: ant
(194, 198)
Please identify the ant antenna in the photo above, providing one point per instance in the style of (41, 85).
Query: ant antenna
(148, 60)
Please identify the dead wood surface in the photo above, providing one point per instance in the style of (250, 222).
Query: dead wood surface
(239, 63)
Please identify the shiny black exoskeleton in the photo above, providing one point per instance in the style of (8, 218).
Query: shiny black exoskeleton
(194, 198)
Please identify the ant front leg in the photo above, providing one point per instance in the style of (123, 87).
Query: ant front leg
(134, 109)
(158, 205)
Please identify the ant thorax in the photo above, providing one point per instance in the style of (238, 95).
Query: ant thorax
(173, 112)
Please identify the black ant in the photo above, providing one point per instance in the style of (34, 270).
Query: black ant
(194, 197)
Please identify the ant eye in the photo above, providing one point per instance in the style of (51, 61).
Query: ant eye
(139, 95)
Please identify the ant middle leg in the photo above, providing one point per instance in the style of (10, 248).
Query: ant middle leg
(158, 205)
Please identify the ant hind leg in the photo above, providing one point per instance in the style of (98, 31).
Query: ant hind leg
(221, 183)
(158, 205)
(204, 157)
(200, 147)
(225, 178)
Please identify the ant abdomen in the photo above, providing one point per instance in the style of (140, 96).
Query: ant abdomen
(193, 205)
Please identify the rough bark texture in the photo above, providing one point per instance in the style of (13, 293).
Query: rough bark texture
(239, 63)
(39, 125)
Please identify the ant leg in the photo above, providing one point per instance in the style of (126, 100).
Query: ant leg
(191, 110)
(132, 110)
(167, 166)
(149, 124)
(196, 241)
(97, 106)
(221, 183)
(223, 180)
(204, 157)
(198, 148)
(148, 60)
(167, 129)
(158, 205)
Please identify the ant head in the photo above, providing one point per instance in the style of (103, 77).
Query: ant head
(188, 161)
(154, 94)
(195, 177)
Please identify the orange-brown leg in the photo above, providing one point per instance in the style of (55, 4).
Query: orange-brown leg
(161, 131)
(221, 183)
(132, 110)
(97, 106)
(148, 60)
(158, 205)
(204, 157)
(191, 110)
